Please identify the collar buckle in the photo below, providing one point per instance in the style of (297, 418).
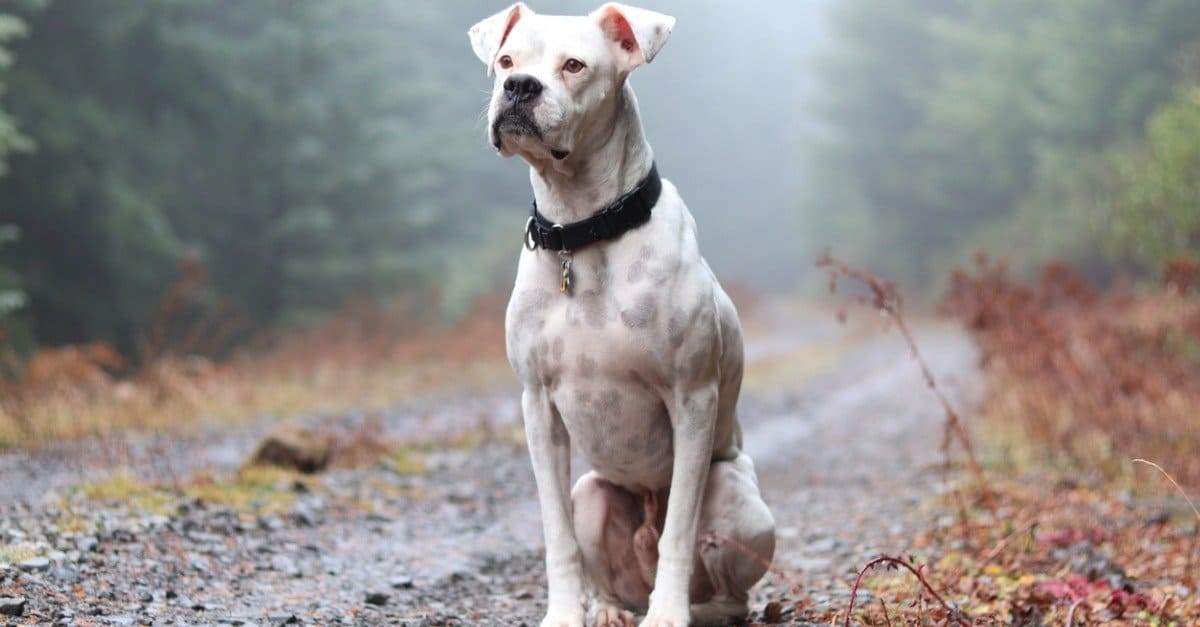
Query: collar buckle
(530, 225)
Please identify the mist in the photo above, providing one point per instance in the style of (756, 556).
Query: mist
(262, 166)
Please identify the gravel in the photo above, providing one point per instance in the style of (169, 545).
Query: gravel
(842, 459)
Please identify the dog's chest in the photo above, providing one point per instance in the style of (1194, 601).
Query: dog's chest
(602, 353)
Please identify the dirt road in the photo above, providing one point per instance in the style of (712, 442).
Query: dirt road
(843, 432)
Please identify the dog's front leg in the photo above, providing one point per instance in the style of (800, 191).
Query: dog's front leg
(550, 450)
(693, 418)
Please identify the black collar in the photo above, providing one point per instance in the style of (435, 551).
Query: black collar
(627, 212)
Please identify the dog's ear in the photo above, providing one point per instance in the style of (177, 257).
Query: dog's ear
(489, 34)
(636, 35)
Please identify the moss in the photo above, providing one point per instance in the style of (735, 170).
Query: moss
(16, 553)
(259, 489)
(407, 461)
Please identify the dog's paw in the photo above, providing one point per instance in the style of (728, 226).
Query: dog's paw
(563, 618)
(611, 616)
(666, 617)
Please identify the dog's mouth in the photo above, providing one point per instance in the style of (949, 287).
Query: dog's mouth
(519, 121)
(515, 121)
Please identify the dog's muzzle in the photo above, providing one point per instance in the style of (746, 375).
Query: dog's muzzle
(516, 120)
(521, 93)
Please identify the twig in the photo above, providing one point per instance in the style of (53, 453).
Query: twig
(715, 539)
(886, 299)
(885, 612)
(1175, 483)
(995, 552)
(1071, 613)
(1162, 610)
(955, 614)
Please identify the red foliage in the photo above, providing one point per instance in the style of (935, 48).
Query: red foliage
(1096, 378)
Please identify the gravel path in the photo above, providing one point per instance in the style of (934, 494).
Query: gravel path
(842, 430)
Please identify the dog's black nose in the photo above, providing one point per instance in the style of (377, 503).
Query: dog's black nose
(522, 87)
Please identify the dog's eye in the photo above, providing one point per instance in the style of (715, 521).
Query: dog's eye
(505, 62)
(574, 66)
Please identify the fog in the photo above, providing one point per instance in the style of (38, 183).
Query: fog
(262, 165)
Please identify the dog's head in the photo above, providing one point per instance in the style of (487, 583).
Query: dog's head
(558, 78)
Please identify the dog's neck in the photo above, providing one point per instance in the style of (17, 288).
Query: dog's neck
(597, 172)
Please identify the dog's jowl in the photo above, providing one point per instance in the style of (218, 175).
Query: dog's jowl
(628, 349)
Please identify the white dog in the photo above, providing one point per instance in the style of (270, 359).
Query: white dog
(625, 343)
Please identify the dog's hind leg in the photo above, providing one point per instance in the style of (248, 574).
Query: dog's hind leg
(607, 517)
(735, 544)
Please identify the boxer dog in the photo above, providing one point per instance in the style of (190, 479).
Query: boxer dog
(627, 347)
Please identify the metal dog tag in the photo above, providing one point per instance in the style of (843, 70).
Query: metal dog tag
(565, 285)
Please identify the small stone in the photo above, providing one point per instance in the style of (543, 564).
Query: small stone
(283, 619)
(87, 544)
(286, 566)
(304, 517)
(773, 613)
(12, 606)
(119, 620)
(378, 598)
(823, 545)
(401, 583)
(64, 574)
(35, 565)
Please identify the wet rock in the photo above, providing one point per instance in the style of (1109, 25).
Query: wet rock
(157, 520)
(304, 517)
(289, 445)
(66, 575)
(286, 566)
(35, 565)
(270, 523)
(378, 598)
(12, 606)
(822, 545)
(202, 537)
(773, 613)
